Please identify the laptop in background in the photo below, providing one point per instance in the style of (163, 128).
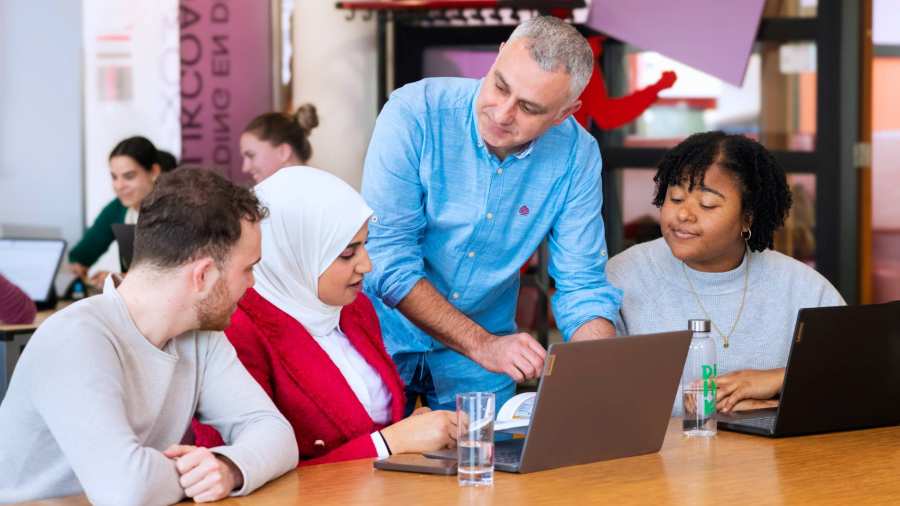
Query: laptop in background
(32, 265)
(19, 231)
(843, 373)
(124, 235)
(597, 400)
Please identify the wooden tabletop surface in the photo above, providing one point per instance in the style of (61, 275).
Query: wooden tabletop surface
(859, 467)
(38, 319)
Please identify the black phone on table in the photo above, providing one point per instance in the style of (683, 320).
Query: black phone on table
(416, 463)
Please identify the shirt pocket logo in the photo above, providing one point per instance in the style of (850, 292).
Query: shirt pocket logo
(524, 211)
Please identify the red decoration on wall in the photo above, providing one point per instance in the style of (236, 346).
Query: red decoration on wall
(609, 113)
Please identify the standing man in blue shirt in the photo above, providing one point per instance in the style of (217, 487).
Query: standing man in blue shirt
(466, 178)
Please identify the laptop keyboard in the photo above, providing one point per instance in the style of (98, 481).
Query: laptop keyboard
(762, 422)
(508, 452)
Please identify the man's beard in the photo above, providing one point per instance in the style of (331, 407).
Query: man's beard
(214, 312)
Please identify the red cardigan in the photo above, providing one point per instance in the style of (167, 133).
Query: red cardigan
(328, 420)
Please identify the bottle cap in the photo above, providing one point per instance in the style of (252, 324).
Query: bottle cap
(698, 325)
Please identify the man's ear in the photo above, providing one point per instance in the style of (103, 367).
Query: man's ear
(204, 274)
(568, 111)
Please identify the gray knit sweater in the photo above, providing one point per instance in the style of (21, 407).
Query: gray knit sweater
(657, 298)
(93, 403)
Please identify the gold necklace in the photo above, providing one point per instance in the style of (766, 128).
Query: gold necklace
(740, 309)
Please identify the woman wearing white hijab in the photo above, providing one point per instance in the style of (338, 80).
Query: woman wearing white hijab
(311, 338)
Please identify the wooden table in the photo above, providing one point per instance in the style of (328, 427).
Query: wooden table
(12, 341)
(850, 468)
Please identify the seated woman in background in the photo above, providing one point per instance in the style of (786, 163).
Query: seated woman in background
(311, 338)
(721, 198)
(275, 140)
(16, 307)
(134, 165)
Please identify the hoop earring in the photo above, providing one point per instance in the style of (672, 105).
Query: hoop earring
(746, 234)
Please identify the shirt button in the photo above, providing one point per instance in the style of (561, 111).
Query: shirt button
(499, 171)
(455, 295)
(471, 254)
(490, 216)
(603, 252)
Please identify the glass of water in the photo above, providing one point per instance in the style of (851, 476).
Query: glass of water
(699, 405)
(475, 442)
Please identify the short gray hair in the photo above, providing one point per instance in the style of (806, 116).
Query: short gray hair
(554, 45)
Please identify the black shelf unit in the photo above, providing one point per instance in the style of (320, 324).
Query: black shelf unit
(836, 33)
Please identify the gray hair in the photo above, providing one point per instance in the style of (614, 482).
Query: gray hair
(554, 45)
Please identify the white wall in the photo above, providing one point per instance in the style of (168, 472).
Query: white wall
(40, 115)
(143, 37)
(886, 22)
(335, 69)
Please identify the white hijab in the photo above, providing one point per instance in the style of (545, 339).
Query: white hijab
(313, 215)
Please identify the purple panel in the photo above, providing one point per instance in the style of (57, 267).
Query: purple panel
(226, 79)
(455, 62)
(715, 36)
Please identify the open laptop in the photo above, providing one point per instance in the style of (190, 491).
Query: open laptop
(598, 400)
(843, 373)
(32, 264)
(124, 235)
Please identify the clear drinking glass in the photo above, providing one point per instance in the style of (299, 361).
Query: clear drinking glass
(475, 443)
(699, 411)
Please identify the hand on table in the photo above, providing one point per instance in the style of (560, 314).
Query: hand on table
(749, 384)
(423, 431)
(205, 476)
(98, 279)
(78, 270)
(748, 404)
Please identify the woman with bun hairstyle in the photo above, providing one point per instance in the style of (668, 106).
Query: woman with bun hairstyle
(276, 140)
(134, 165)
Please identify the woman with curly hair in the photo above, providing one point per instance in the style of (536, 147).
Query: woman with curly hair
(721, 198)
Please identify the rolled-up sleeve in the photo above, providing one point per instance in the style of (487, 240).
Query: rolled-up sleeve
(392, 188)
(578, 252)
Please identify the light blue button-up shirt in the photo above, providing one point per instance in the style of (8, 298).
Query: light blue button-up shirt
(448, 210)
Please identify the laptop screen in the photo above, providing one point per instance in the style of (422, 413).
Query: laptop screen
(31, 264)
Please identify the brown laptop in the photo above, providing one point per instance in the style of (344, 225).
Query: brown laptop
(598, 400)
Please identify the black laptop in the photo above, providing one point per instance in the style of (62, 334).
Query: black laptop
(124, 235)
(843, 373)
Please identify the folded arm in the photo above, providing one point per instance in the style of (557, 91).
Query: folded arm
(259, 441)
(80, 398)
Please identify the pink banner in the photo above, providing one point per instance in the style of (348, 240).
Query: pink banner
(226, 79)
(714, 36)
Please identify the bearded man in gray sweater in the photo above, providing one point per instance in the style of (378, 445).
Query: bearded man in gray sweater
(102, 399)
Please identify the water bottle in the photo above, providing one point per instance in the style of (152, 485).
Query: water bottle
(698, 383)
(78, 290)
